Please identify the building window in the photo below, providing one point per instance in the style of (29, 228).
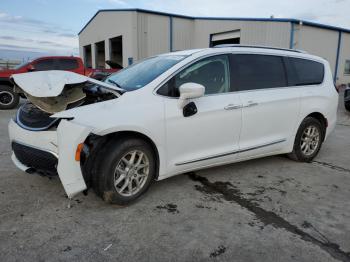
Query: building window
(347, 67)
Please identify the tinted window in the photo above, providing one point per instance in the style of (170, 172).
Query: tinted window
(257, 72)
(67, 64)
(212, 72)
(46, 64)
(307, 72)
(140, 74)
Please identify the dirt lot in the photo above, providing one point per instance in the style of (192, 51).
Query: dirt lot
(270, 209)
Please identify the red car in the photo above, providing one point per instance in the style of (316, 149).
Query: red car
(9, 99)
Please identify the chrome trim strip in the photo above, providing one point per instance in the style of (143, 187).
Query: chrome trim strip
(35, 147)
(230, 153)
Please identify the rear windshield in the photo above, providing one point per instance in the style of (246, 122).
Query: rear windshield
(142, 73)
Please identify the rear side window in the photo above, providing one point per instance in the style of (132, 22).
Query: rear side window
(306, 72)
(67, 64)
(45, 64)
(251, 72)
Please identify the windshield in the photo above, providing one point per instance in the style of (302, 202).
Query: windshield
(21, 65)
(140, 74)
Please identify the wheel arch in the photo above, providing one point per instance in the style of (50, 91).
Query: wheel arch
(322, 119)
(102, 140)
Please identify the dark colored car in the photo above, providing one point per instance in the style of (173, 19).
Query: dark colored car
(347, 98)
(9, 99)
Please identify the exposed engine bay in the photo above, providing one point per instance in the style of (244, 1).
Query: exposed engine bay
(56, 91)
(36, 113)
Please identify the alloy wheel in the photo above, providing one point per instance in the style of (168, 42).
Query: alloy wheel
(131, 173)
(310, 140)
(6, 98)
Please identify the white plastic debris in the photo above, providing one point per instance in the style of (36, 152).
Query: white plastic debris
(107, 247)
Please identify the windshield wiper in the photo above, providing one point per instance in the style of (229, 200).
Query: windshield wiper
(114, 83)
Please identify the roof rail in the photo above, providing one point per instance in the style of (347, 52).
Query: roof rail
(260, 46)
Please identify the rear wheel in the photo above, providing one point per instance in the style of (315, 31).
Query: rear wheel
(308, 140)
(126, 171)
(8, 98)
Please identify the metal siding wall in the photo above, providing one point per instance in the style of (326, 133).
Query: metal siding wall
(344, 55)
(149, 34)
(252, 33)
(81, 52)
(107, 25)
(153, 34)
(142, 35)
(317, 41)
(183, 33)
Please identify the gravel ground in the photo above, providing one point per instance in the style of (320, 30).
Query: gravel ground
(270, 209)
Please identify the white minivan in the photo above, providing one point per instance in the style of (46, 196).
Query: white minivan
(170, 114)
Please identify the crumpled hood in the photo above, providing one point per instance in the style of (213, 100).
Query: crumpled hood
(52, 91)
(52, 83)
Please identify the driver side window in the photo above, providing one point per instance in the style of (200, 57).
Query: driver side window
(212, 72)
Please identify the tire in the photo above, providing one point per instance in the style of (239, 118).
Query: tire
(299, 152)
(347, 105)
(115, 155)
(8, 98)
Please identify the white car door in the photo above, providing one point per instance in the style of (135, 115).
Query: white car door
(211, 135)
(270, 108)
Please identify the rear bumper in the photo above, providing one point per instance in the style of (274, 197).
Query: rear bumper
(48, 152)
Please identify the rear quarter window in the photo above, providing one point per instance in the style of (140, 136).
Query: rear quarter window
(306, 72)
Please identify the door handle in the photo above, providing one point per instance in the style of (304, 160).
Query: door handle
(232, 107)
(251, 104)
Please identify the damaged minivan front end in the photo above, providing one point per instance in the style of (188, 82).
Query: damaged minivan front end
(42, 140)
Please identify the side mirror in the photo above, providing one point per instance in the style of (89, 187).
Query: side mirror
(189, 91)
(30, 68)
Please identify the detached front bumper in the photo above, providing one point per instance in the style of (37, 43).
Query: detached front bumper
(51, 151)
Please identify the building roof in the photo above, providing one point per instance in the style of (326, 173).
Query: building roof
(287, 20)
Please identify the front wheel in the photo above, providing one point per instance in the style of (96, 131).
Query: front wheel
(308, 140)
(126, 171)
(8, 98)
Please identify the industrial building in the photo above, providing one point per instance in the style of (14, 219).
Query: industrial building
(127, 35)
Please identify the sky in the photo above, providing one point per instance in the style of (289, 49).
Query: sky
(30, 28)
